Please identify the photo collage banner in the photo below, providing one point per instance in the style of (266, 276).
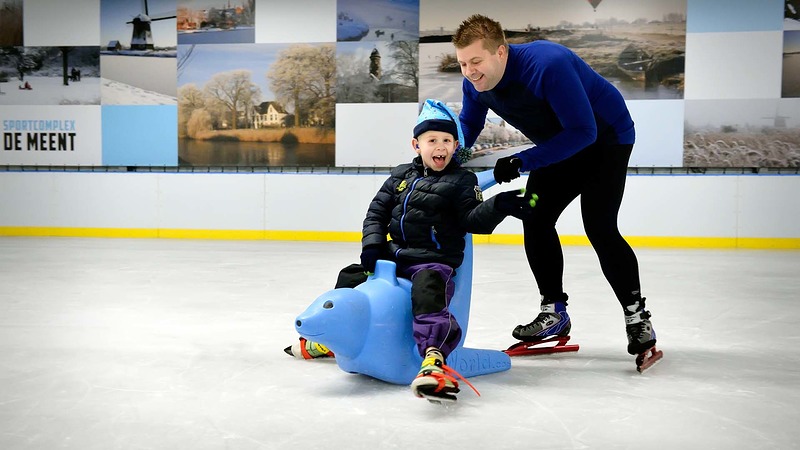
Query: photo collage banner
(338, 83)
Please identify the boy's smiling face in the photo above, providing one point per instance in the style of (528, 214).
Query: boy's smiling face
(436, 149)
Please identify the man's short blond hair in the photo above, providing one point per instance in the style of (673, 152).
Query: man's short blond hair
(477, 27)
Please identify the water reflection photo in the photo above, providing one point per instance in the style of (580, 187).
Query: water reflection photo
(256, 104)
(215, 22)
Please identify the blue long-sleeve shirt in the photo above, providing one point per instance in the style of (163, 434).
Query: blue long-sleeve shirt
(555, 99)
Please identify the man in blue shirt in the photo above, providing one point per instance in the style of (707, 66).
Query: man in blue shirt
(583, 136)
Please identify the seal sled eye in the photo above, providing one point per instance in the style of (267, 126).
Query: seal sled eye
(328, 305)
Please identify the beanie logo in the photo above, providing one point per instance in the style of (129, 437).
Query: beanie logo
(402, 186)
(478, 193)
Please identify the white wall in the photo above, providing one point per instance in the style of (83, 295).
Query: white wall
(703, 206)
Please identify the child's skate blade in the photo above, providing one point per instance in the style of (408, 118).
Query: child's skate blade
(439, 398)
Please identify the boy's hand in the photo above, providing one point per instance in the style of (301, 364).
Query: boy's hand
(369, 257)
(507, 169)
(516, 203)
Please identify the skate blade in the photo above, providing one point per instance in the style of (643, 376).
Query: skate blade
(531, 348)
(439, 399)
(297, 352)
(648, 359)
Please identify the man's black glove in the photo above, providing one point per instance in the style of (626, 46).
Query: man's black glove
(370, 256)
(507, 169)
(516, 203)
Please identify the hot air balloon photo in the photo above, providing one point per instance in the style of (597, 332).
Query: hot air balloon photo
(639, 46)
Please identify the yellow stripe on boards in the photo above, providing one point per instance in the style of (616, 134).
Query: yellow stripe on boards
(353, 236)
(79, 232)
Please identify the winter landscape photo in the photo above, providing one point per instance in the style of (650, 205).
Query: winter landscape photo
(377, 72)
(377, 20)
(257, 105)
(497, 139)
(50, 75)
(440, 73)
(138, 52)
(216, 21)
(742, 133)
(638, 46)
(10, 23)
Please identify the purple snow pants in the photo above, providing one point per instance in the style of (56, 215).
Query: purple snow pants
(432, 288)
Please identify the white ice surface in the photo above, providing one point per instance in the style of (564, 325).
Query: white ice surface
(177, 344)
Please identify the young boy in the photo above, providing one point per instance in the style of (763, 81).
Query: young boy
(427, 207)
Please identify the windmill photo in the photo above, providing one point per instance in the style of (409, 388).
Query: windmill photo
(778, 121)
(142, 37)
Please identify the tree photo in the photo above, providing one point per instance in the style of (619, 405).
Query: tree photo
(377, 72)
(257, 105)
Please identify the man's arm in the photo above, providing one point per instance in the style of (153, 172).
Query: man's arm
(472, 116)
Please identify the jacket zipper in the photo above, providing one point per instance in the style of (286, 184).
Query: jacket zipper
(405, 210)
(433, 238)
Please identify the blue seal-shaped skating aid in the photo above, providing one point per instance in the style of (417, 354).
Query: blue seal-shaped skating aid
(369, 328)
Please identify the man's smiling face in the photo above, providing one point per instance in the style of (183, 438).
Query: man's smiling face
(481, 67)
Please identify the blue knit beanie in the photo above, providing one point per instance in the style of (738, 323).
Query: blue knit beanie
(436, 116)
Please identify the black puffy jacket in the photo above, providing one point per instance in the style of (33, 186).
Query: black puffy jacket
(428, 213)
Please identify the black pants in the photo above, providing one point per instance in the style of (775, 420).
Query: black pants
(598, 175)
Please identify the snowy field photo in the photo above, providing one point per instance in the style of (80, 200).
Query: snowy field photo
(377, 20)
(147, 77)
(50, 76)
(51, 91)
(118, 93)
(742, 133)
(434, 82)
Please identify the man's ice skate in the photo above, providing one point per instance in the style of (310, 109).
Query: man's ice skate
(641, 337)
(552, 325)
(435, 381)
(305, 349)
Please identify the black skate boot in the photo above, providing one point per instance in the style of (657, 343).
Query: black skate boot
(552, 321)
(641, 336)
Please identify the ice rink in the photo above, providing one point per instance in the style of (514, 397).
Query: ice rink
(178, 344)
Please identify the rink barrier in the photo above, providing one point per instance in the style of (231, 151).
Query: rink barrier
(352, 236)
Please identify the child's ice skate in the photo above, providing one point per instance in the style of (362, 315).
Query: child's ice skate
(305, 349)
(641, 336)
(435, 380)
(551, 325)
